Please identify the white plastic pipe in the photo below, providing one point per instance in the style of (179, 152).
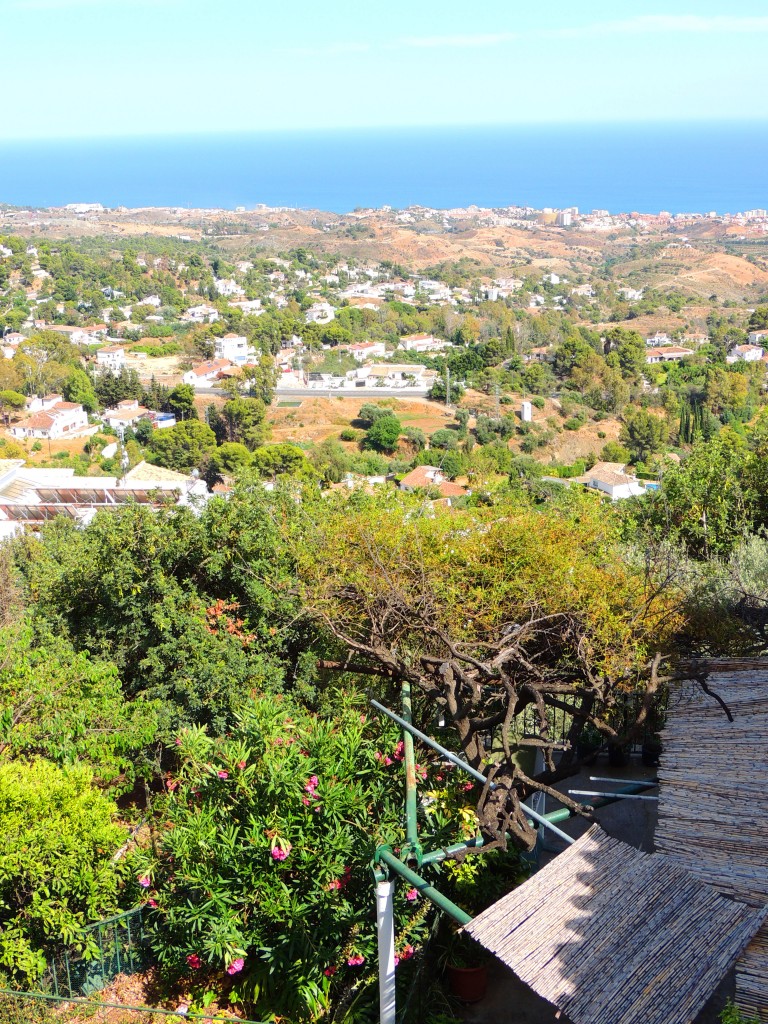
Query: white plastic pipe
(385, 925)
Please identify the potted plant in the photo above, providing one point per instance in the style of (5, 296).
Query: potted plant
(466, 969)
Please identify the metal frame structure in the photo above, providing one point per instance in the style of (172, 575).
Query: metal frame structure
(386, 864)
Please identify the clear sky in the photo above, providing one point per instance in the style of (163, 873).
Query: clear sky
(119, 67)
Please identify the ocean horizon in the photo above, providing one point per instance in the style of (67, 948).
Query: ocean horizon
(644, 167)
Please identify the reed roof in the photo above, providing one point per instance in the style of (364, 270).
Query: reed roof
(612, 935)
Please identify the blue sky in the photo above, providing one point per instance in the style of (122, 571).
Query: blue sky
(119, 67)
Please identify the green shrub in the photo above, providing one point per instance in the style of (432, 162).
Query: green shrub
(574, 423)
(538, 401)
(350, 434)
(264, 866)
(57, 839)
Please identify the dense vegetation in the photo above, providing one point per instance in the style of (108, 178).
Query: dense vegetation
(184, 719)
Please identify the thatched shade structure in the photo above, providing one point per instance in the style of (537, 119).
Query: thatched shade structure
(612, 935)
(713, 808)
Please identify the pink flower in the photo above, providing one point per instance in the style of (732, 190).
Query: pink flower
(407, 953)
(241, 764)
(397, 960)
(356, 960)
(330, 971)
(388, 761)
(335, 884)
(151, 903)
(467, 786)
(399, 752)
(278, 853)
(194, 961)
(222, 774)
(305, 800)
(236, 966)
(314, 781)
(144, 881)
(178, 741)
(412, 894)
(172, 784)
(379, 756)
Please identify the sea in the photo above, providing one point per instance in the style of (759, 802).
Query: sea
(647, 167)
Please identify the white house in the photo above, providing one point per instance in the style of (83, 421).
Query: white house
(666, 354)
(393, 376)
(233, 348)
(659, 338)
(367, 350)
(526, 412)
(111, 357)
(202, 314)
(320, 313)
(745, 353)
(80, 335)
(228, 287)
(758, 337)
(125, 414)
(422, 343)
(631, 294)
(248, 306)
(200, 376)
(51, 417)
(612, 479)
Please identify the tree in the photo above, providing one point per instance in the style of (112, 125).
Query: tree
(370, 412)
(383, 434)
(644, 434)
(63, 705)
(758, 319)
(79, 388)
(444, 439)
(229, 458)
(181, 402)
(58, 836)
(261, 379)
(184, 447)
(282, 459)
(245, 421)
(11, 400)
(439, 390)
(630, 350)
(416, 438)
(489, 612)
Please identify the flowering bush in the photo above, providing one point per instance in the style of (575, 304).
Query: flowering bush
(262, 879)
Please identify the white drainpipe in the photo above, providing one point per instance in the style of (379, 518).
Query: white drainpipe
(385, 925)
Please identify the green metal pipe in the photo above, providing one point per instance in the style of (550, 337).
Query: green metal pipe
(411, 795)
(385, 856)
(435, 856)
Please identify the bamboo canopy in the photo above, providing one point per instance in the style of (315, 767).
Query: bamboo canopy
(713, 805)
(612, 935)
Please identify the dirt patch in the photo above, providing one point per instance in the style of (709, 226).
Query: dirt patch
(315, 419)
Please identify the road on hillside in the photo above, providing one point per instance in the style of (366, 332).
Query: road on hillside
(330, 393)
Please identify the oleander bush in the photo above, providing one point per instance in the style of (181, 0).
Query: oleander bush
(262, 877)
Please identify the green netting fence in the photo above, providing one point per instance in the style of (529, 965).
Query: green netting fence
(114, 946)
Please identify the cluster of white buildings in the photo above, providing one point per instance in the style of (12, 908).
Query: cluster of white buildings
(29, 497)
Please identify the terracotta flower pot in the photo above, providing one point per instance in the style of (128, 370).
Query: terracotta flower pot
(468, 983)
